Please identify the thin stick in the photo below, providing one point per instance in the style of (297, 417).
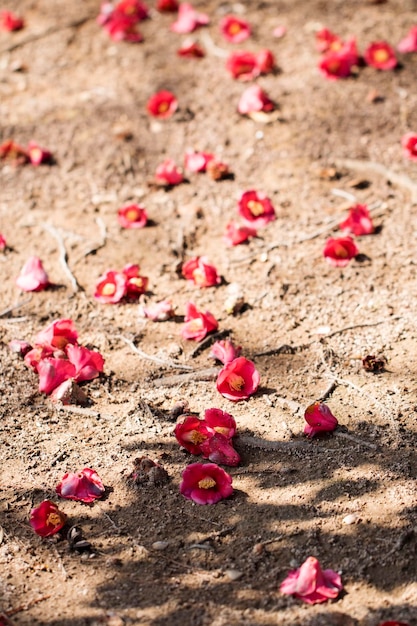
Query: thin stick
(328, 392)
(103, 240)
(14, 307)
(196, 375)
(363, 325)
(82, 411)
(27, 606)
(263, 444)
(341, 193)
(339, 433)
(63, 255)
(208, 341)
(155, 359)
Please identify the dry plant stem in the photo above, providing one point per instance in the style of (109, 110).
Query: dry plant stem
(10, 309)
(95, 247)
(360, 442)
(208, 341)
(155, 359)
(63, 255)
(398, 179)
(263, 444)
(210, 373)
(70, 408)
(211, 46)
(27, 606)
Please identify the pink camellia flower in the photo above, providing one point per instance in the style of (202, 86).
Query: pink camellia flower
(57, 335)
(46, 519)
(234, 29)
(168, 173)
(87, 363)
(111, 287)
(238, 379)
(359, 221)
(52, 372)
(10, 21)
(197, 324)
(338, 252)
(219, 449)
(205, 483)
(132, 216)
(201, 273)
(338, 63)
(167, 6)
(192, 432)
(191, 49)
(188, 19)
(409, 146)
(254, 99)
(243, 65)
(279, 31)
(135, 283)
(33, 357)
(11, 151)
(256, 209)
(319, 419)
(159, 311)
(409, 43)
(327, 41)
(84, 486)
(235, 234)
(224, 351)
(197, 161)
(32, 276)
(221, 422)
(3, 243)
(265, 61)
(311, 584)
(162, 104)
(38, 155)
(380, 55)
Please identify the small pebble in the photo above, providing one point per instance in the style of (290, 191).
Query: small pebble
(233, 574)
(160, 545)
(352, 518)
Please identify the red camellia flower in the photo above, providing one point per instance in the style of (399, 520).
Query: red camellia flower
(120, 21)
(338, 63)
(192, 432)
(197, 161)
(188, 19)
(162, 104)
(11, 151)
(256, 209)
(234, 29)
(359, 221)
(221, 422)
(46, 519)
(238, 379)
(132, 216)
(52, 372)
(111, 287)
(338, 252)
(205, 484)
(168, 173)
(167, 6)
(219, 449)
(135, 283)
(197, 324)
(409, 43)
(38, 155)
(319, 419)
(380, 55)
(243, 65)
(32, 276)
(409, 146)
(3, 243)
(57, 335)
(84, 486)
(87, 363)
(235, 234)
(191, 49)
(224, 351)
(254, 99)
(326, 40)
(198, 271)
(10, 21)
(311, 584)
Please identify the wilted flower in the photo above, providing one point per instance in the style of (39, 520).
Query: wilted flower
(224, 351)
(85, 486)
(243, 65)
(234, 29)
(409, 43)
(12, 152)
(217, 170)
(159, 311)
(197, 161)
(327, 41)
(221, 422)
(319, 419)
(38, 155)
(254, 99)
(201, 273)
(359, 221)
(111, 287)
(235, 234)
(3, 243)
(205, 484)
(380, 55)
(167, 6)
(338, 252)
(132, 216)
(32, 276)
(256, 209)
(10, 21)
(219, 449)
(338, 63)
(52, 372)
(168, 173)
(57, 335)
(409, 146)
(238, 379)
(88, 364)
(372, 363)
(197, 324)
(120, 21)
(46, 519)
(192, 432)
(188, 19)
(18, 346)
(311, 584)
(191, 49)
(162, 104)
(135, 283)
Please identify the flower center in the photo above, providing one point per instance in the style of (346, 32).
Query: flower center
(206, 483)
(199, 277)
(195, 325)
(341, 252)
(255, 207)
(236, 382)
(234, 28)
(108, 289)
(137, 282)
(196, 438)
(334, 66)
(132, 215)
(163, 107)
(53, 519)
(36, 154)
(222, 430)
(381, 56)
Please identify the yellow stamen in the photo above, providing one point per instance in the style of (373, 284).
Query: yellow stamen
(53, 519)
(195, 325)
(381, 56)
(137, 281)
(195, 437)
(108, 289)
(163, 107)
(234, 28)
(198, 277)
(132, 215)
(222, 430)
(207, 483)
(236, 382)
(256, 208)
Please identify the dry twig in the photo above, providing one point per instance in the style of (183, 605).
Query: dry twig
(209, 373)
(63, 255)
(155, 359)
(10, 309)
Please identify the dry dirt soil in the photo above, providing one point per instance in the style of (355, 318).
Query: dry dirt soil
(64, 83)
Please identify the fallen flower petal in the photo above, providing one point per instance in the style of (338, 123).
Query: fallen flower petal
(243, 65)
(46, 519)
(338, 64)
(235, 234)
(3, 243)
(359, 221)
(162, 104)
(380, 55)
(197, 161)
(279, 32)
(234, 29)
(221, 422)
(191, 49)
(32, 276)
(132, 216)
(219, 449)
(254, 99)
(326, 40)
(409, 146)
(409, 43)
(188, 19)
(224, 351)
(12, 152)
(159, 311)
(265, 61)
(218, 170)
(52, 372)
(167, 6)
(197, 324)
(134, 9)
(238, 379)
(18, 346)
(338, 252)
(201, 273)
(111, 287)
(205, 483)
(168, 173)
(88, 364)
(38, 155)
(68, 393)
(311, 584)
(85, 486)
(57, 334)
(256, 209)
(192, 432)
(319, 419)
(10, 21)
